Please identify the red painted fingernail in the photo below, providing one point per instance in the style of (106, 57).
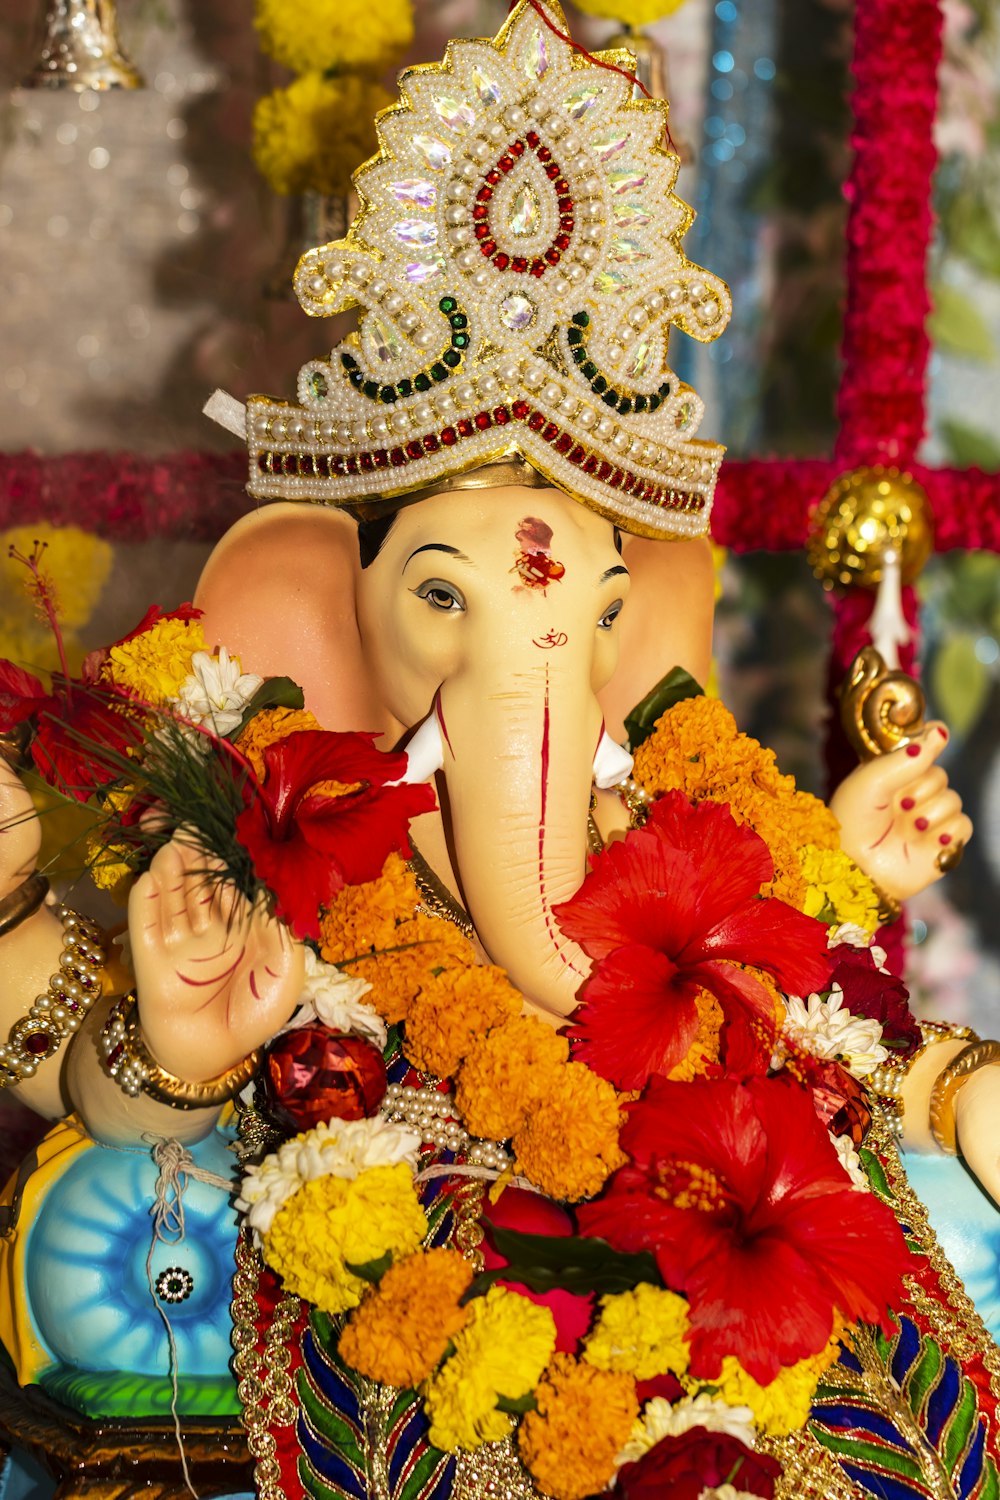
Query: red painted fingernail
(921, 823)
(907, 803)
(913, 750)
(944, 838)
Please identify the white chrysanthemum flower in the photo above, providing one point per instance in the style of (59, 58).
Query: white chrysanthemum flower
(335, 999)
(825, 1029)
(216, 691)
(339, 1149)
(851, 1162)
(848, 932)
(661, 1418)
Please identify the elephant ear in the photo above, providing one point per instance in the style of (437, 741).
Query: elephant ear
(279, 592)
(667, 621)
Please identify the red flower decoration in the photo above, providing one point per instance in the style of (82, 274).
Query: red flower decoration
(687, 1465)
(739, 1194)
(76, 725)
(306, 845)
(880, 997)
(671, 910)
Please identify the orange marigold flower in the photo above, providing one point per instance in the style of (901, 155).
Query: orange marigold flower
(401, 1330)
(452, 1009)
(505, 1073)
(269, 726)
(363, 919)
(568, 1146)
(415, 951)
(583, 1419)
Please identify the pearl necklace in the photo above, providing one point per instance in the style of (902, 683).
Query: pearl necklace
(433, 1115)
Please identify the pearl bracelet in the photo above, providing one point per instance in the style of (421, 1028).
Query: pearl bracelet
(54, 1016)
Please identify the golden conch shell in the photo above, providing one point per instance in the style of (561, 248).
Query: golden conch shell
(863, 515)
(880, 709)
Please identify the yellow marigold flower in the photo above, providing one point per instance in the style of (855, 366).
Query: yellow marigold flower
(583, 1419)
(335, 1222)
(704, 1050)
(267, 728)
(629, 12)
(154, 664)
(338, 36)
(640, 1333)
(401, 1330)
(778, 1408)
(504, 1074)
(568, 1146)
(837, 890)
(501, 1351)
(452, 1009)
(311, 136)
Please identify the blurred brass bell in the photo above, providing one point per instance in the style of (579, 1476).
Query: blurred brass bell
(650, 71)
(863, 516)
(81, 49)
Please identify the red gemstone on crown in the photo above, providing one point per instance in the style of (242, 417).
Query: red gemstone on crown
(519, 263)
(563, 443)
(533, 139)
(536, 420)
(367, 463)
(480, 211)
(381, 458)
(553, 257)
(578, 455)
(397, 457)
(483, 420)
(605, 470)
(550, 432)
(501, 261)
(562, 242)
(551, 171)
(543, 153)
(629, 483)
(616, 479)
(520, 410)
(337, 464)
(493, 176)
(313, 1075)
(484, 195)
(352, 464)
(592, 464)
(482, 231)
(537, 268)
(449, 437)
(516, 148)
(488, 247)
(431, 444)
(505, 163)
(415, 448)
(501, 415)
(465, 428)
(562, 186)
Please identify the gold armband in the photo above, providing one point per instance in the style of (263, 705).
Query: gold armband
(72, 991)
(23, 902)
(888, 1080)
(129, 1062)
(947, 1084)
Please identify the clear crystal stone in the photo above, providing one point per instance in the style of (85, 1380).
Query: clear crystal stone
(486, 87)
(382, 342)
(581, 99)
(525, 211)
(318, 384)
(419, 271)
(627, 251)
(452, 112)
(612, 281)
(682, 418)
(535, 56)
(629, 215)
(436, 152)
(639, 358)
(416, 190)
(626, 182)
(517, 312)
(416, 232)
(608, 146)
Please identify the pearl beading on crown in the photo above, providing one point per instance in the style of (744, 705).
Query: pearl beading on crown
(516, 267)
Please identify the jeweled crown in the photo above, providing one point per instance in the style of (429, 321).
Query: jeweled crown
(516, 266)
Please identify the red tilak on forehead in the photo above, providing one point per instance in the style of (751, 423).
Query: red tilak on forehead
(534, 564)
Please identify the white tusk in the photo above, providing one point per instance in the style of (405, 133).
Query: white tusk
(228, 412)
(424, 753)
(612, 764)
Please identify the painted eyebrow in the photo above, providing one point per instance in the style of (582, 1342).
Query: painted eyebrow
(436, 547)
(613, 573)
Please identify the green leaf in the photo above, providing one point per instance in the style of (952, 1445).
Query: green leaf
(371, 1270)
(517, 1406)
(573, 1264)
(971, 231)
(959, 682)
(969, 447)
(956, 324)
(274, 692)
(674, 688)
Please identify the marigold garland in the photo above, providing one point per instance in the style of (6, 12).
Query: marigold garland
(452, 1009)
(640, 1333)
(568, 1145)
(505, 1073)
(400, 1332)
(333, 1222)
(583, 1419)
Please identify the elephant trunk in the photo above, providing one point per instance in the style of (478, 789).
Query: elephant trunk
(518, 765)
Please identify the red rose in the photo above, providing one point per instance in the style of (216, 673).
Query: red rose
(879, 997)
(683, 1467)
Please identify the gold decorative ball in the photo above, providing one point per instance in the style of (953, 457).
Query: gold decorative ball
(862, 516)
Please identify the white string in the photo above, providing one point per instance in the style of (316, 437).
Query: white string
(482, 1174)
(175, 1165)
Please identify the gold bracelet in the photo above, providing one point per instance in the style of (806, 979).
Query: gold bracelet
(889, 908)
(128, 1061)
(887, 1081)
(71, 993)
(22, 902)
(947, 1084)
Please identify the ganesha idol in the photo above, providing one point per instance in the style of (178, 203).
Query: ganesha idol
(504, 1019)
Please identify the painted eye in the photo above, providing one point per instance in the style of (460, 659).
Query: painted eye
(610, 615)
(441, 595)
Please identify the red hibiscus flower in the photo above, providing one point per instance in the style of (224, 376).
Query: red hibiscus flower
(687, 1465)
(306, 845)
(880, 997)
(738, 1192)
(674, 909)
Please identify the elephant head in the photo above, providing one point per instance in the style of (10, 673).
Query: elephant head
(503, 633)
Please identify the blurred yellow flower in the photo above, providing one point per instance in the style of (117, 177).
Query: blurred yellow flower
(311, 136)
(339, 36)
(631, 13)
